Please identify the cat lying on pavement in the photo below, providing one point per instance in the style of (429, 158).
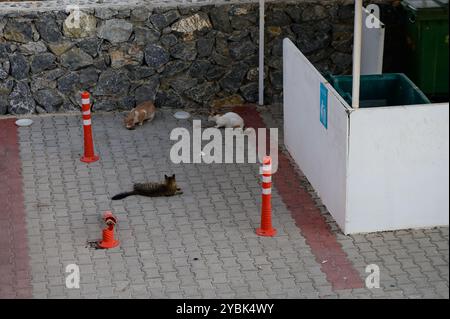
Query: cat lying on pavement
(167, 188)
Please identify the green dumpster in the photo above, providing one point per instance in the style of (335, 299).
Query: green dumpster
(389, 89)
(427, 45)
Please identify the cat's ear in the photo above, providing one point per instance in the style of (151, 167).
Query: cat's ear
(165, 176)
(173, 176)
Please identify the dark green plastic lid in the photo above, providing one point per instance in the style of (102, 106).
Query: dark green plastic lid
(427, 9)
(418, 5)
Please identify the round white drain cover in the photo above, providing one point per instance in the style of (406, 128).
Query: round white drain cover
(24, 122)
(182, 115)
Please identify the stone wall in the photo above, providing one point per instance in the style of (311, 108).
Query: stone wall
(177, 56)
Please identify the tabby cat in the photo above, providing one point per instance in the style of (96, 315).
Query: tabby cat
(168, 188)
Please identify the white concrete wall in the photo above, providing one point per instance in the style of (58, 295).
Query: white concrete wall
(398, 168)
(372, 50)
(321, 153)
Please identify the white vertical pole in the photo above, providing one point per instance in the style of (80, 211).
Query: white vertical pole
(357, 53)
(261, 52)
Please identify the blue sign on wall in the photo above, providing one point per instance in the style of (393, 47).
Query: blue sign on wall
(324, 105)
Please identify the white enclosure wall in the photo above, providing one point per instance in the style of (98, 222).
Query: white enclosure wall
(375, 169)
(372, 47)
(398, 172)
(321, 152)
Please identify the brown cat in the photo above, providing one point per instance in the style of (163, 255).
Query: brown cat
(143, 112)
(168, 188)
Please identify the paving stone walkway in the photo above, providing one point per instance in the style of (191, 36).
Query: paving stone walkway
(201, 244)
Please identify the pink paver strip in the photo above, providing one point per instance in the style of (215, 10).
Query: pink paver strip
(329, 254)
(14, 259)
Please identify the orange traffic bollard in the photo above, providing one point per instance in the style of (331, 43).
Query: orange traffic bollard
(89, 155)
(266, 228)
(108, 240)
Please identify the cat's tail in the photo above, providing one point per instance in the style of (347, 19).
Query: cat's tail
(124, 195)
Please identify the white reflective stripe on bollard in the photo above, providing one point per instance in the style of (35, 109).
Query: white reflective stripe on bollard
(267, 179)
(267, 191)
(85, 101)
(87, 112)
(86, 122)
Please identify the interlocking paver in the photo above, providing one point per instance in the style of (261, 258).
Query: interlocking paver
(198, 245)
(400, 243)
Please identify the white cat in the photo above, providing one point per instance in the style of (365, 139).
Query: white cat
(227, 120)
